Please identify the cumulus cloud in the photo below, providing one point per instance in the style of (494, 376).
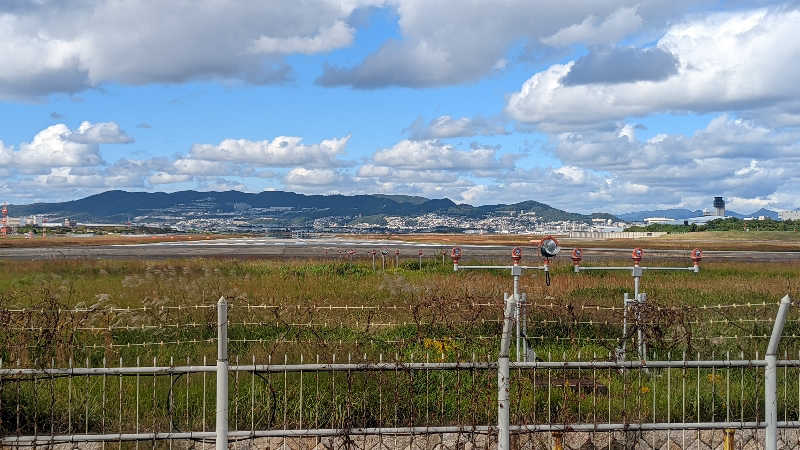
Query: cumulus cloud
(282, 151)
(726, 61)
(300, 176)
(434, 155)
(385, 173)
(596, 30)
(100, 133)
(71, 46)
(337, 35)
(449, 41)
(622, 65)
(449, 127)
(58, 146)
(167, 178)
(730, 156)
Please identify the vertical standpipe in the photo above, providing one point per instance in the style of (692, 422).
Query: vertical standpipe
(503, 380)
(222, 375)
(771, 376)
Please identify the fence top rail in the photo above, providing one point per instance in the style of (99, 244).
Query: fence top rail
(390, 366)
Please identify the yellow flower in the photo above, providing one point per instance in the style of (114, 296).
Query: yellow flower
(714, 378)
(645, 389)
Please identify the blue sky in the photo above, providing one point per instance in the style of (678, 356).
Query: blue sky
(615, 107)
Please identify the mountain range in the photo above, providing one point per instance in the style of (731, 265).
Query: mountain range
(120, 206)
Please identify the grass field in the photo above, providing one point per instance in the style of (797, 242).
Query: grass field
(139, 312)
(707, 240)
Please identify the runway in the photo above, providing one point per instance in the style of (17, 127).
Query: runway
(341, 247)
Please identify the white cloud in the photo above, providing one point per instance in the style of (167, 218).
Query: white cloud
(449, 127)
(301, 176)
(58, 146)
(726, 61)
(730, 157)
(338, 35)
(70, 46)
(594, 30)
(282, 151)
(434, 155)
(452, 41)
(100, 133)
(191, 166)
(222, 185)
(69, 177)
(166, 178)
(572, 174)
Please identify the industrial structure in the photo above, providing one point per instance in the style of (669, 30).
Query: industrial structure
(719, 206)
(708, 216)
(4, 220)
(790, 215)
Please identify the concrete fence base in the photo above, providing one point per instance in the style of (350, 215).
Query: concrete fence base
(667, 440)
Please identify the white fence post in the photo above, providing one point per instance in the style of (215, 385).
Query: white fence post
(771, 377)
(503, 381)
(222, 374)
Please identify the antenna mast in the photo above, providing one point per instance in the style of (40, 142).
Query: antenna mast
(4, 223)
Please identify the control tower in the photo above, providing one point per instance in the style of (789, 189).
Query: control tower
(719, 206)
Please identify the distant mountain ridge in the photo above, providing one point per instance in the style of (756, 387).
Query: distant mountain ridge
(677, 214)
(119, 206)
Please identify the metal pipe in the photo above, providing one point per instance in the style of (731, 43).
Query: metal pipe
(503, 380)
(642, 341)
(621, 351)
(222, 375)
(516, 314)
(367, 367)
(582, 268)
(771, 376)
(524, 327)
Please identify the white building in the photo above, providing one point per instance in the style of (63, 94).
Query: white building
(790, 215)
(659, 220)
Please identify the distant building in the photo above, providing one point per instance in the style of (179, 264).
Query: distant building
(719, 207)
(659, 220)
(790, 215)
(708, 216)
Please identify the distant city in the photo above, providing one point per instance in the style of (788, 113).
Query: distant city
(227, 213)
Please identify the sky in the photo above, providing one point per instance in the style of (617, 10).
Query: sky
(610, 106)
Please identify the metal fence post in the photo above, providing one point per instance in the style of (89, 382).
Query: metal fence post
(503, 381)
(771, 377)
(558, 440)
(222, 374)
(729, 439)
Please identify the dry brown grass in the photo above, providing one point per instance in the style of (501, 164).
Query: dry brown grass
(752, 241)
(69, 241)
